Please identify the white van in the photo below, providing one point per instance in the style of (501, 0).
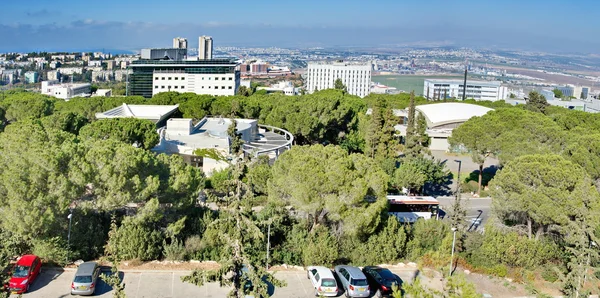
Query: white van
(323, 280)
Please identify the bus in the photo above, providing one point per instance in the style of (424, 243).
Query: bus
(407, 209)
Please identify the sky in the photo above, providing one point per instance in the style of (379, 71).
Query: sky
(69, 25)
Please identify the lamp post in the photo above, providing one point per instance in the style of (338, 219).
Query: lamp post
(458, 177)
(452, 255)
(70, 217)
(268, 242)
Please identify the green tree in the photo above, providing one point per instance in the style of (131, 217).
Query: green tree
(411, 145)
(235, 138)
(421, 132)
(536, 102)
(139, 132)
(410, 176)
(328, 185)
(259, 173)
(538, 191)
(243, 91)
(557, 93)
(339, 85)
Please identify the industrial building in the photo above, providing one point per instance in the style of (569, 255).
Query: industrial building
(439, 89)
(213, 77)
(356, 77)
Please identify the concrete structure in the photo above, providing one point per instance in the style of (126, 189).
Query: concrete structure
(214, 77)
(102, 75)
(284, 87)
(95, 63)
(383, 89)
(578, 92)
(439, 89)
(9, 76)
(65, 91)
(53, 75)
(356, 77)
(32, 77)
(180, 43)
(121, 74)
(548, 94)
(205, 48)
(164, 54)
(441, 119)
(590, 105)
(183, 137)
(155, 113)
(259, 67)
(103, 93)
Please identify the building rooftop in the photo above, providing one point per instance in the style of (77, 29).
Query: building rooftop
(150, 112)
(469, 82)
(450, 112)
(184, 62)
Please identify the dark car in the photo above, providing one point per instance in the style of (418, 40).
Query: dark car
(381, 280)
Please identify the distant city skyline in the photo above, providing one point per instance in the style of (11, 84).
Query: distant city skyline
(548, 26)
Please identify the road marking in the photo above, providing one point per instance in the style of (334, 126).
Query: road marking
(172, 283)
(303, 288)
(138, 287)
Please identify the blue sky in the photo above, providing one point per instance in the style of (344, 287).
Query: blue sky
(550, 25)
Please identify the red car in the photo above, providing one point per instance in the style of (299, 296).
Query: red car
(26, 270)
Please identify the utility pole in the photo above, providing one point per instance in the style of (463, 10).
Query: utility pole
(465, 84)
(70, 217)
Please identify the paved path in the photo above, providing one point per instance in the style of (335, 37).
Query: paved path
(168, 284)
(476, 208)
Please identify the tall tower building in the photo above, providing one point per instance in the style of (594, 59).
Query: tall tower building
(205, 48)
(180, 43)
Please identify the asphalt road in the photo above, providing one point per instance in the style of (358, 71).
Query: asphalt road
(167, 284)
(478, 209)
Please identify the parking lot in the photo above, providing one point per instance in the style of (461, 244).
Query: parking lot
(140, 284)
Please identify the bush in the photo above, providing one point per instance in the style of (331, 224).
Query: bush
(51, 250)
(135, 240)
(427, 236)
(498, 270)
(385, 247)
(175, 251)
(321, 248)
(549, 273)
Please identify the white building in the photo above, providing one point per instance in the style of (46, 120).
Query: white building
(95, 63)
(383, 89)
(102, 93)
(180, 43)
(285, 87)
(53, 75)
(356, 77)
(205, 47)
(65, 91)
(438, 89)
(155, 113)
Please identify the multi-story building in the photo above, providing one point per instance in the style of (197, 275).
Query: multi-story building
(53, 75)
(121, 74)
(180, 43)
(65, 91)
(164, 54)
(356, 77)
(205, 47)
(438, 89)
(259, 67)
(214, 77)
(31, 77)
(102, 75)
(578, 92)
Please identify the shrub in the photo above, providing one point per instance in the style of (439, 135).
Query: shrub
(427, 235)
(384, 247)
(175, 251)
(51, 250)
(321, 248)
(549, 273)
(135, 240)
(498, 270)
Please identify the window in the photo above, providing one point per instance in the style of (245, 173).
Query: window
(175, 87)
(176, 78)
(230, 87)
(156, 78)
(162, 87)
(183, 78)
(223, 78)
(169, 87)
(208, 87)
(230, 78)
(317, 277)
(202, 87)
(169, 78)
(163, 78)
(182, 87)
(216, 78)
(155, 87)
(359, 282)
(327, 282)
(222, 87)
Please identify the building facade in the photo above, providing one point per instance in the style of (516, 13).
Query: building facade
(180, 43)
(164, 54)
(205, 47)
(214, 77)
(31, 77)
(65, 91)
(439, 89)
(356, 77)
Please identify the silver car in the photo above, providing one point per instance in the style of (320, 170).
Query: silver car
(353, 281)
(85, 279)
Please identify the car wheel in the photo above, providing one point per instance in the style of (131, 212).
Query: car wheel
(378, 294)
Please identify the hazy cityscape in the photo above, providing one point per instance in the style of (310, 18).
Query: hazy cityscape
(328, 149)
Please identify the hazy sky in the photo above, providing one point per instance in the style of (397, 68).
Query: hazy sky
(545, 25)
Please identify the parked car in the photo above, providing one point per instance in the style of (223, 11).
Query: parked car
(323, 280)
(381, 280)
(86, 279)
(353, 281)
(26, 270)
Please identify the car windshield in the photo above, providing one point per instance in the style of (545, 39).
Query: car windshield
(83, 279)
(386, 274)
(21, 271)
(359, 282)
(327, 282)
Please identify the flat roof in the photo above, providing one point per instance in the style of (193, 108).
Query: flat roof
(209, 62)
(450, 112)
(413, 200)
(461, 82)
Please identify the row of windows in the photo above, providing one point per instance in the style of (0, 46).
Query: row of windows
(183, 87)
(183, 78)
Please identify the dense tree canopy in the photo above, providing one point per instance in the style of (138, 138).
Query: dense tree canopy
(138, 132)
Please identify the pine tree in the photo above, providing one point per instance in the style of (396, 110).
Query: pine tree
(411, 147)
(235, 139)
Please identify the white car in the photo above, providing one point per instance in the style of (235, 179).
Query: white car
(323, 280)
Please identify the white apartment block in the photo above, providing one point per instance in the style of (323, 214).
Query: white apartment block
(205, 47)
(65, 91)
(212, 84)
(439, 89)
(356, 77)
(180, 43)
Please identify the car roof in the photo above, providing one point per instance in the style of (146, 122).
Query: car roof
(85, 269)
(26, 260)
(383, 272)
(354, 271)
(324, 272)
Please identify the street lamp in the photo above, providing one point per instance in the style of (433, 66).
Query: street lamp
(452, 256)
(70, 217)
(458, 177)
